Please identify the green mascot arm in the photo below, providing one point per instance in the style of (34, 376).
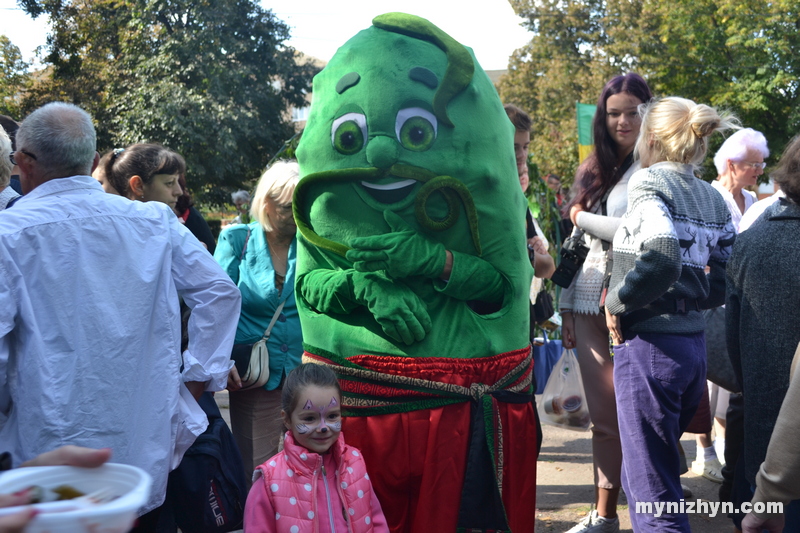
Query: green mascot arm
(404, 253)
(472, 278)
(399, 311)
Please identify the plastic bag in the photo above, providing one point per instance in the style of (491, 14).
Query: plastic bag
(546, 354)
(564, 400)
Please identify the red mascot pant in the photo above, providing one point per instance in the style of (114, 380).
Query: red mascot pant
(417, 459)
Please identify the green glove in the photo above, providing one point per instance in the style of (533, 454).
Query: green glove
(402, 253)
(402, 315)
(400, 312)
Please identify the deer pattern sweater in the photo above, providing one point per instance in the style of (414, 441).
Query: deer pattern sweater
(675, 225)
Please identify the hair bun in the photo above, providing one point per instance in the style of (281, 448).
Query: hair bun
(705, 129)
(704, 120)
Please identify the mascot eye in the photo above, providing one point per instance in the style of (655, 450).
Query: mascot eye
(416, 128)
(348, 133)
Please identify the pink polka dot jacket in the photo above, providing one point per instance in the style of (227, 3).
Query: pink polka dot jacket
(298, 491)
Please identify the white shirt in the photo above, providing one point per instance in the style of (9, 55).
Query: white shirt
(6, 195)
(757, 209)
(733, 207)
(90, 327)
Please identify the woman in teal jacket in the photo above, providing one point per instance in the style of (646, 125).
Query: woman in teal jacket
(260, 257)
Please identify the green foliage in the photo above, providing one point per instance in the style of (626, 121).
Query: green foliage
(543, 206)
(741, 55)
(14, 78)
(737, 55)
(211, 80)
(287, 151)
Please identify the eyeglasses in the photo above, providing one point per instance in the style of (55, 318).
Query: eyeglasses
(755, 165)
(11, 156)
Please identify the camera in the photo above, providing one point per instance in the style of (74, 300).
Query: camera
(573, 254)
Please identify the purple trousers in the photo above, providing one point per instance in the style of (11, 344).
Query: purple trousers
(659, 379)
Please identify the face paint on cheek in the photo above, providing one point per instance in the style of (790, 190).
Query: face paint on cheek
(336, 426)
(323, 426)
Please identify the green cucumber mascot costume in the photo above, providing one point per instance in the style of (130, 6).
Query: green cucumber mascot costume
(413, 277)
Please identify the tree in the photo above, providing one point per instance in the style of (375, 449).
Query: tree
(564, 63)
(14, 78)
(210, 79)
(81, 58)
(740, 55)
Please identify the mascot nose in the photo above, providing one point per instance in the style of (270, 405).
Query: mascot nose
(382, 152)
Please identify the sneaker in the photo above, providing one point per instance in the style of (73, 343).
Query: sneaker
(687, 492)
(710, 470)
(594, 523)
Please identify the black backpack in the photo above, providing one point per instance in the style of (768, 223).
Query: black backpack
(207, 492)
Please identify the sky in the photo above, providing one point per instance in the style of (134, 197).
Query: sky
(319, 27)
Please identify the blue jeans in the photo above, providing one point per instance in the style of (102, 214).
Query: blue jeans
(659, 379)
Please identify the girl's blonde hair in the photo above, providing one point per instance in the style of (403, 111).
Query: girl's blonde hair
(677, 130)
(277, 182)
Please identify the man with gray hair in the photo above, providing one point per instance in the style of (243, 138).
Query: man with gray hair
(90, 325)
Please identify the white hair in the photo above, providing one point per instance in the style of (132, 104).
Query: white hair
(241, 194)
(736, 146)
(62, 137)
(5, 162)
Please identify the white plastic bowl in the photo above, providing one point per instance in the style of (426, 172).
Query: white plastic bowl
(129, 483)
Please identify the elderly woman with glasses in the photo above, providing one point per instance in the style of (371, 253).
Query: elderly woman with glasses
(739, 162)
(7, 195)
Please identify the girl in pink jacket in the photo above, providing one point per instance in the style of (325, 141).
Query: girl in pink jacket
(317, 484)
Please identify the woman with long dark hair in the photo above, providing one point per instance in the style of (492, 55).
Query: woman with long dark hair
(601, 199)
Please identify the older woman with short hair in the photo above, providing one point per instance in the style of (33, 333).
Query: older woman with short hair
(241, 199)
(739, 162)
(260, 258)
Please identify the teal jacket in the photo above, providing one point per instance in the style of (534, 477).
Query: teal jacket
(255, 277)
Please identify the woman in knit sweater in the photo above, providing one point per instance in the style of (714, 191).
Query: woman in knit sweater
(675, 226)
(602, 197)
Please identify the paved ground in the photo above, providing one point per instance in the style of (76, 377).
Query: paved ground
(565, 485)
(565, 482)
